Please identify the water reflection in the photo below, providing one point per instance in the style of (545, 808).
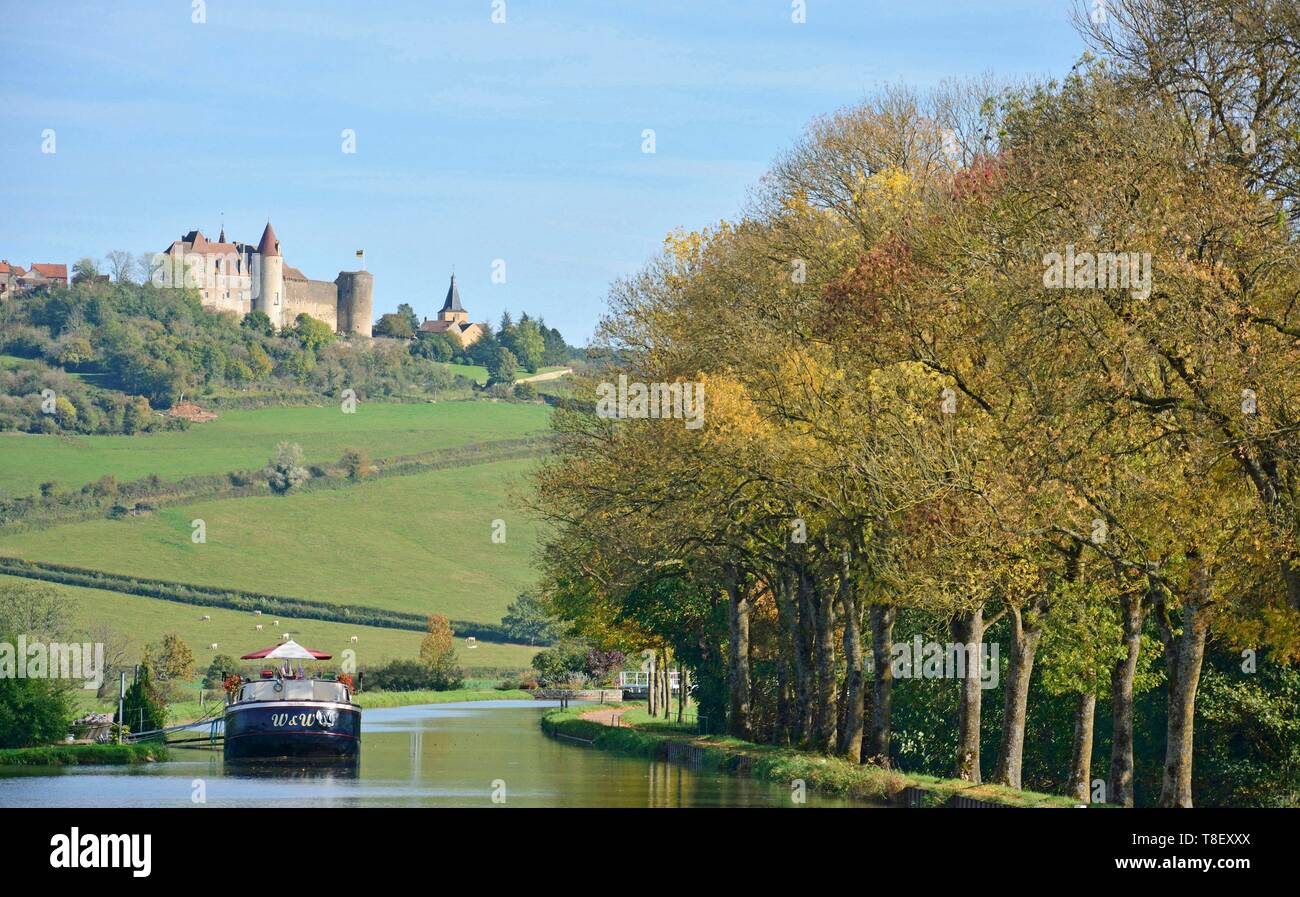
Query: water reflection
(439, 755)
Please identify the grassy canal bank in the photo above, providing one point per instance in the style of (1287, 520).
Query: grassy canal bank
(639, 735)
(83, 755)
(406, 698)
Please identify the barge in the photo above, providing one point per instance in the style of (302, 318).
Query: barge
(290, 717)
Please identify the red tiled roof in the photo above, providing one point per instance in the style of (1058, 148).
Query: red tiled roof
(7, 268)
(51, 270)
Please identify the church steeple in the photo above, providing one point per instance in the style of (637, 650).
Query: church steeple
(452, 302)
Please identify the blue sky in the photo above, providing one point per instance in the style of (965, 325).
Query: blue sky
(474, 141)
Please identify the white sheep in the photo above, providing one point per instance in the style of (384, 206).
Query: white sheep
(207, 617)
(214, 646)
(353, 639)
(259, 627)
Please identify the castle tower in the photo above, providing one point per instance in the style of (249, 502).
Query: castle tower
(355, 310)
(451, 307)
(270, 298)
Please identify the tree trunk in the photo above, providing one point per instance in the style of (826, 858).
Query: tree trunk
(1184, 654)
(1121, 701)
(738, 719)
(1081, 755)
(1020, 668)
(882, 656)
(668, 687)
(787, 657)
(1291, 579)
(651, 681)
(681, 692)
(968, 630)
(851, 735)
(804, 656)
(827, 704)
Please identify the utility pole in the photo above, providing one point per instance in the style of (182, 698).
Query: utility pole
(121, 701)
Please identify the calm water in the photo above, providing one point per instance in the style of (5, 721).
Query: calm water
(445, 755)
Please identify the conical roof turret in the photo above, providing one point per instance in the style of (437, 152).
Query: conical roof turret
(269, 246)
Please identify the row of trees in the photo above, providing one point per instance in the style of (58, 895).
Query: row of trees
(1015, 365)
(530, 343)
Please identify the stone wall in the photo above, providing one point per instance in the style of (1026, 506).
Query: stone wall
(318, 298)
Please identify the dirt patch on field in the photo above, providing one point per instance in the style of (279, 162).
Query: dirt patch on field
(192, 412)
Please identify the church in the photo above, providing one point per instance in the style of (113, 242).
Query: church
(453, 319)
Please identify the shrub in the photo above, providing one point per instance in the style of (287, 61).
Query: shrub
(221, 663)
(556, 666)
(412, 675)
(144, 708)
(356, 464)
(285, 470)
(32, 711)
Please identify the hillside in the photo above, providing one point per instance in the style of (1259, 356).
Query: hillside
(419, 543)
(241, 439)
(145, 619)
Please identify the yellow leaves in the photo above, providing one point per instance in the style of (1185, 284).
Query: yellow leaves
(685, 247)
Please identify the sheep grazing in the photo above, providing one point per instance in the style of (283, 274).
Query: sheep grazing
(353, 639)
(207, 617)
(214, 646)
(259, 627)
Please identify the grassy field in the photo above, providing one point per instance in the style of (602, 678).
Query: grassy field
(246, 439)
(145, 619)
(475, 372)
(419, 543)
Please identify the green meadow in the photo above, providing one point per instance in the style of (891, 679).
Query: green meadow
(246, 439)
(420, 543)
(476, 372)
(142, 620)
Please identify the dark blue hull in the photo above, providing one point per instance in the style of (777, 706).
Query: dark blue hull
(290, 731)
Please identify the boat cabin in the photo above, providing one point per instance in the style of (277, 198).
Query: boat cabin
(293, 690)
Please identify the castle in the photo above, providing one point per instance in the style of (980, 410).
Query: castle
(242, 278)
(453, 319)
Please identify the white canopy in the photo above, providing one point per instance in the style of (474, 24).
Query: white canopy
(289, 650)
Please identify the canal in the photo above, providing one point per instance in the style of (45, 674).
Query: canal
(443, 755)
